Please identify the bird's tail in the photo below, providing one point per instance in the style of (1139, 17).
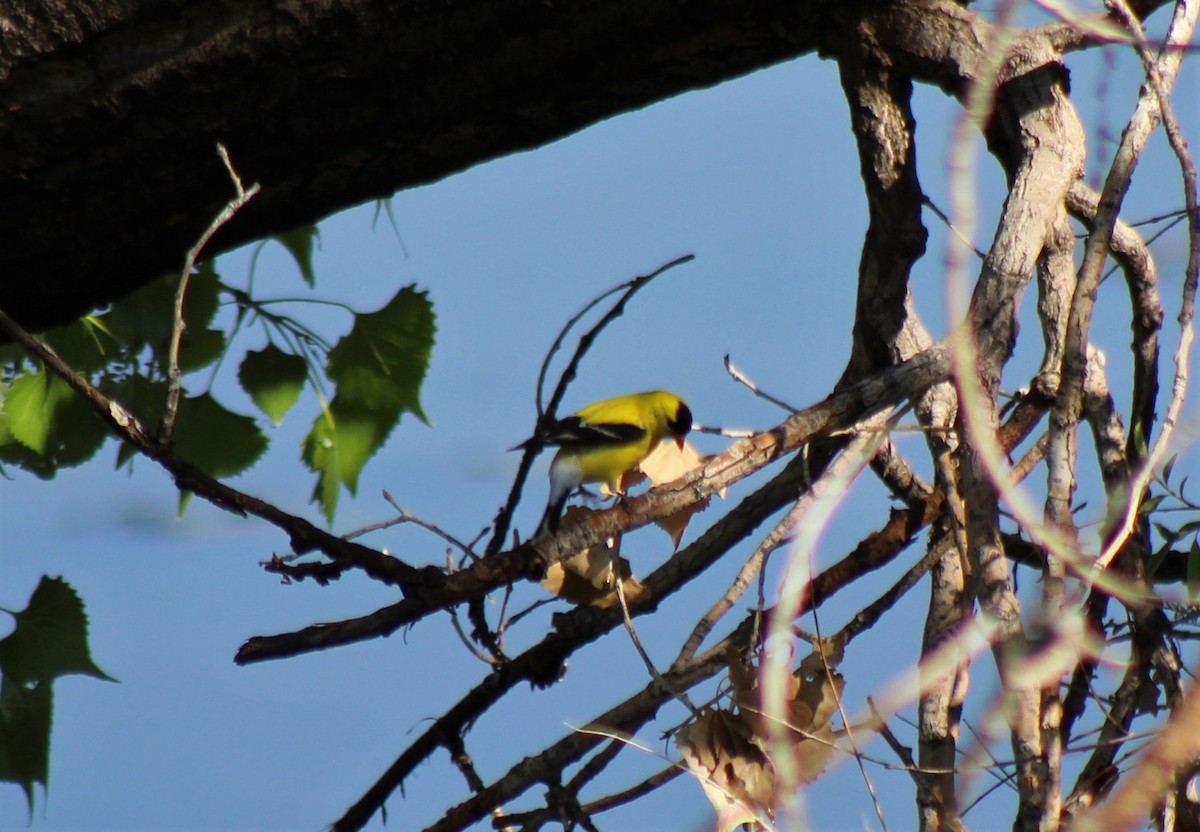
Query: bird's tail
(554, 510)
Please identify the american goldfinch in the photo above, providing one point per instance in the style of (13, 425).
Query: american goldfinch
(606, 439)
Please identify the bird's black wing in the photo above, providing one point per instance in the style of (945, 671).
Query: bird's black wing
(573, 431)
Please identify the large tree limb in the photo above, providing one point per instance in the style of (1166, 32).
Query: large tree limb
(109, 110)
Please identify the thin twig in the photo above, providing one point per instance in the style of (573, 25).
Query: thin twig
(403, 516)
(174, 375)
(637, 643)
(946, 221)
(820, 649)
(903, 752)
(630, 288)
(741, 378)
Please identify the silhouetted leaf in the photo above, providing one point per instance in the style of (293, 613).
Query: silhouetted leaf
(25, 720)
(50, 637)
(299, 242)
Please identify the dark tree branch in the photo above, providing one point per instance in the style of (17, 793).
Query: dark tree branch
(326, 104)
(838, 412)
(332, 104)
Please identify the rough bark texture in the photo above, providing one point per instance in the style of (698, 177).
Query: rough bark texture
(110, 111)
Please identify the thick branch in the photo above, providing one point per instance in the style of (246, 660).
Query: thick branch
(109, 111)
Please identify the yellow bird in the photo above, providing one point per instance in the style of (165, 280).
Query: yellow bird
(606, 439)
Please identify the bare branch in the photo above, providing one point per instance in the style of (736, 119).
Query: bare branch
(174, 377)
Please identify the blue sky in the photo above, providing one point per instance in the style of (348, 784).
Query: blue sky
(758, 178)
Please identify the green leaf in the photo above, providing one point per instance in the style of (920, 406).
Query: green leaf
(299, 242)
(50, 637)
(86, 344)
(219, 442)
(273, 379)
(1168, 468)
(378, 369)
(200, 349)
(381, 363)
(54, 426)
(145, 316)
(320, 452)
(1138, 441)
(1151, 503)
(26, 403)
(199, 346)
(1168, 534)
(49, 640)
(203, 296)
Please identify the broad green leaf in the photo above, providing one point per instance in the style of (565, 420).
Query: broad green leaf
(1168, 534)
(26, 403)
(49, 638)
(381, 363)
(299, 242)
(16, 453)
(200, 348)
(144, 317)
(203, 296)
(1156, 560)
(273, 379)
(320, 452)
(219, 442)
(347, 436)
(199, 345)
(378, 369)
(53, 424)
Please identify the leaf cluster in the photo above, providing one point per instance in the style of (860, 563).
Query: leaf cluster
(375, 372)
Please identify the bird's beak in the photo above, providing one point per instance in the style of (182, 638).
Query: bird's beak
(680, 440)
